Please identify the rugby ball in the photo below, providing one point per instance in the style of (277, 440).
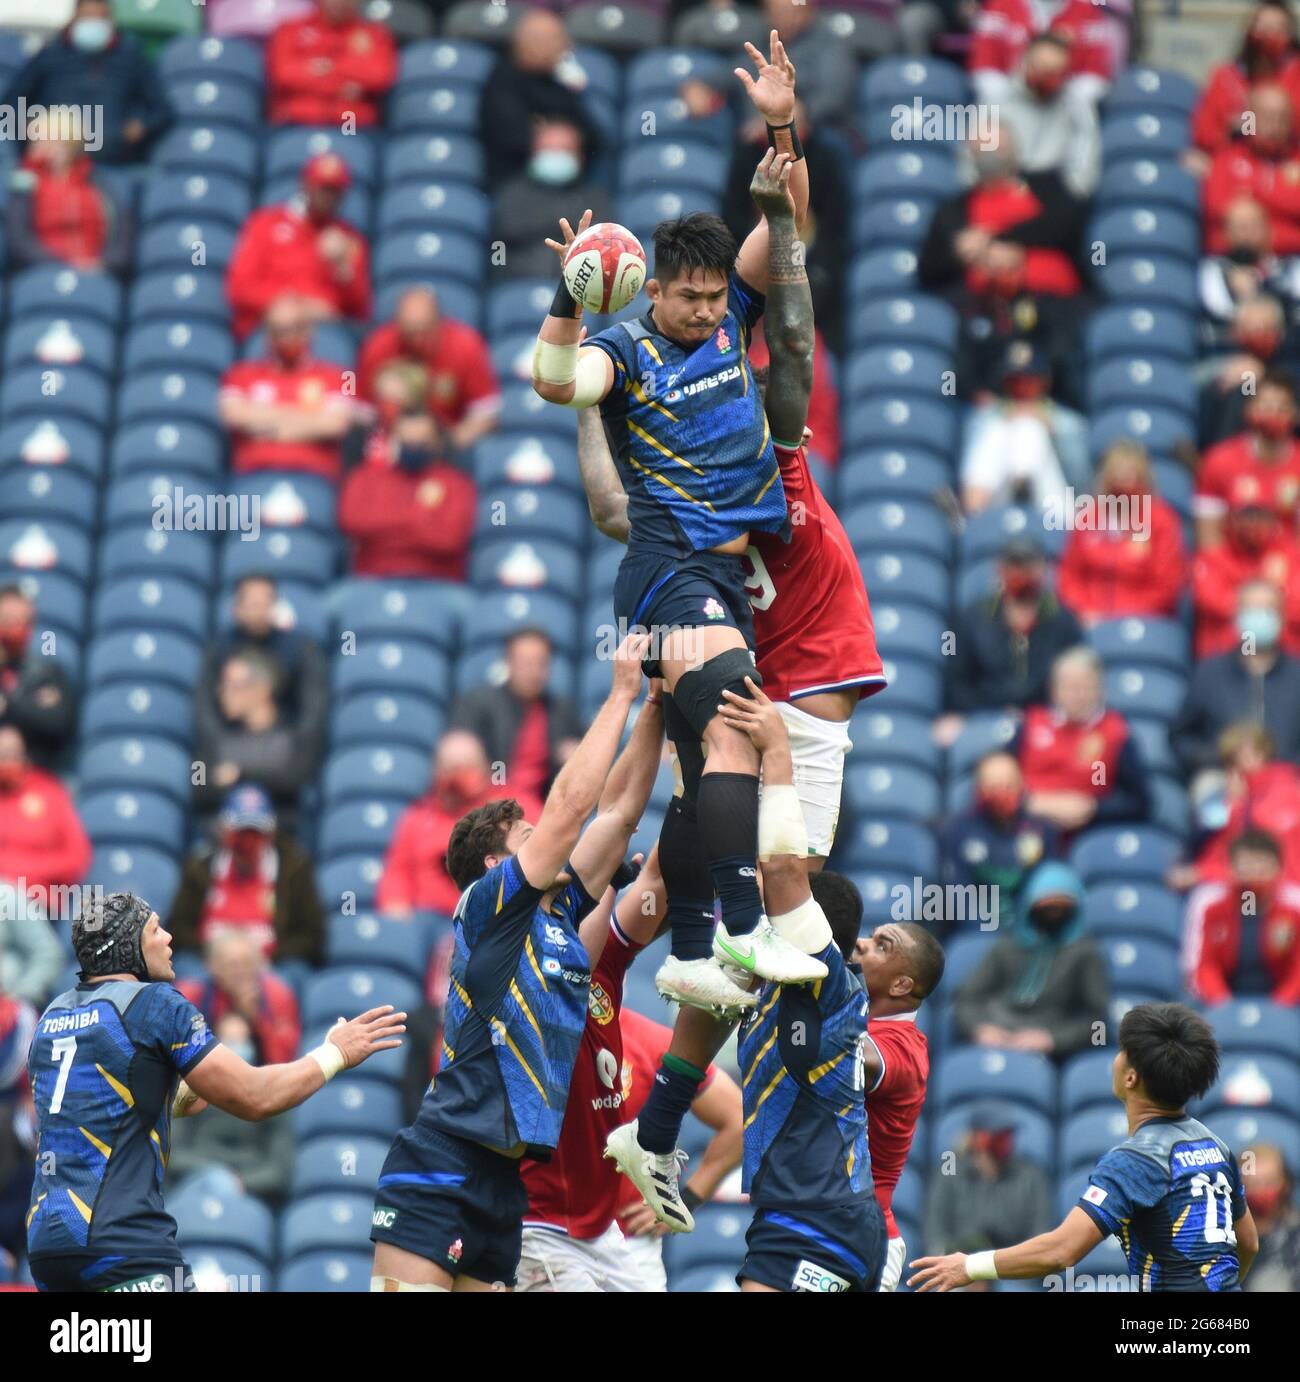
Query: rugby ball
(604, 267)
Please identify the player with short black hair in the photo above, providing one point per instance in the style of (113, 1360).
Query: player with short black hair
(1171, 1193)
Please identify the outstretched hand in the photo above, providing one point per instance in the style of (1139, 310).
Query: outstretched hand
(939, 1273)
(772, 92)
(770, 188)
(380, 1029)
(754, 715)
(570, 235)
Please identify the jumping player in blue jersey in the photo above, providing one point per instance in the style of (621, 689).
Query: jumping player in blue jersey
(106, 1067)
(694, 451)
(1171, 1193)
(450, 1202)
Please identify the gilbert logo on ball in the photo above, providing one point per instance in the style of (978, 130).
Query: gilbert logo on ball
(604, 267)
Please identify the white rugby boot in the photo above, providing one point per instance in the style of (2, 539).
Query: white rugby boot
(767, 955)
(703, 983)
(656, 1177)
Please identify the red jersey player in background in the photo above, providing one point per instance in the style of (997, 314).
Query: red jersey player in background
(815, 650)
(901, 966)
(572, 1240)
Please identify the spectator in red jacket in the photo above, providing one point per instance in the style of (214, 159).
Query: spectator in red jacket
(1256, 547)
(1080, 763)
(1098, 43)
(1131, 559)
(1260, 466)
(415, 875)
(1263, 166)
(329, 66)
(238, 982)
(288, 411)
(302, 247)
(464, 396)
(1268, 53)
(42, 843)
(823, 402)
(407, 512)
(1242, 937)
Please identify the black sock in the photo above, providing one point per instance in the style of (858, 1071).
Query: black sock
(660, 1121)
(687, 882)
(728, 814)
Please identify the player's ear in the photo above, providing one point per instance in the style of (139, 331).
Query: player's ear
(652, 289)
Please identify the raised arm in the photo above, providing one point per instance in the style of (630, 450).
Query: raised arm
(789, 326)
(772, 93)
(606, 497)
(562, 373)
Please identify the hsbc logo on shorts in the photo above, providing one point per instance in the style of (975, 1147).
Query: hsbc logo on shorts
(383, 1218)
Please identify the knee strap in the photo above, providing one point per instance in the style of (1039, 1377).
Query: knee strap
(698, 693)
(391, 1283)
(690, 752)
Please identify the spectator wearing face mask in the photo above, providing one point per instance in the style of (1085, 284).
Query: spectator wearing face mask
(288, 411)
(1256, 681)
(991, 1192)
(1003, 29)
(225, 1155)
(1081, 764)
(1270, 1196)
(407, 513)
(997, 843)
(1131, 560)
(536, 82)
(1256, 547)
(1268, 53)
(304, 249)
(1007, 642)
(42, 842)
(1012, 231)
(1246, 268)
(255, 879)
(92, 63)
(1055, 126)
(415, 877)
(553, 183)
(1263, 166)
(35, 692)
(1258, 467)
(1242, 936)
(329, 65)
(1259, 344)
(464, 396)
(1022, 446)
(1043, 986)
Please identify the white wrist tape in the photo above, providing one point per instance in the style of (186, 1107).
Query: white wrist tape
(565, 364)
(979, 1266)
(806, 928)
(781, 828)
(328, 1056)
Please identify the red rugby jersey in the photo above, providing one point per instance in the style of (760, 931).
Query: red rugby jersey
(812, 619)
(894, 1102)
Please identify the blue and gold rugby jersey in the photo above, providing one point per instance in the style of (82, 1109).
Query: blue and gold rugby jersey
(688, 433)
(1171, 1195)
(516, 1008)
(104, 1065)
(801, 1061)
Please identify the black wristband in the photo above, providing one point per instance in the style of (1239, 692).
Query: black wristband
(796, 148)
(690, 1199)
(564, 304)
(623, 875)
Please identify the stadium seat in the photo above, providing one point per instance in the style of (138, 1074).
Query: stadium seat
(138, 707)
(1148, 278)
(137, 763)
(882, 735)
(977, 1072)
(1132, 908)
(1145, 229)
(1112, 853)
(368, 940)
(888, 895)
(406, 610)
(309, 558)
(1245, 1127)
(1144, 134)
(1257, 1081)
(882, 273)
(32, 441)
(1138, 89)
(1157, 382)
(381, 717)
(391, 666)
(435, 205)
(1035, 1134)
(899, 81)
(66, 391)
(1152, 329)
(1143, 965)
(677, 165)
(1247, 1025)
(665, 69)
(189, 296)
(219, 1267)
(133, 818)
(909, 631)
(528, 511)
(983, 733)
(432, 158)
(1088, 1135)
(359, 823)
(85, 341)
(907, 318)
(915, 687)
(289, 149)
(1146, 182)
(327, 1223)
(202, 147)
(706, 1277)
(337, 1163)
(365, 772)
(352, 880)
(60, 292)
(134, 655)
(897, 523)
(354, 988)
(920, 172)
(892, 471)
(719, 1236)
(47, 494)
(891, 791)
(350, 1107)
(193, 346)
(435, 107)
(1149, 692)
(485, 666)
(288, 500)
(899, 221)
(207, 56)
(328, 1271)
(154, 446)
(986, 533)
(139, 869)
(526, 565)
(438, 60)
(897, 369)
(426, 253)
(238, 1221)
(901, 420)
(194, 194)
(1086, 1082)
(1161, 642)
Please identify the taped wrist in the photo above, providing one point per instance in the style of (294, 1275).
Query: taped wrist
(328, 1057)
(564, 304)
(781, 828)
(785, 140)
(980, 1267)
(806, 928)
(565, 364)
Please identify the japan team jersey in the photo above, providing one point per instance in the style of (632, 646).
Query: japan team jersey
(894, 1102)
(104, 1065)
(812, 620)
(688, 433)
(516, 1009)
(1171, 1194)
(801, 1062)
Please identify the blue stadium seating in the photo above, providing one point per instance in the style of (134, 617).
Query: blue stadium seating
(1147, 181)
(368, 940)
(137, 763)
(1086, 1082)
(338, 1163)
(326, 1223)
(85, 341)
(890, 790)
(1247, 1025)
(1088, 1135)
(1124, 852)
(899, 523)
(382, 717)
(436, 157)
(231, 59)
(350, 1107)
(719, 1236)
(351, 880)
(1035, 1134)
(1153, 329)
(1257, 1080)
(138, 707)
(435, 205)
(1143, 965)
(977, 1072)
(1161, 642)
(1154, 382)
(129, 656)
(328, 1271)
(200, 147)
(390, 665)
(439, 60)
(909, 631)
(397, 772)
(44, 494)
(1140, 88)
(167, 195)
(140, 869)
(1135, 907)
(238, 1221)
(133, 818)
(1244, 1127)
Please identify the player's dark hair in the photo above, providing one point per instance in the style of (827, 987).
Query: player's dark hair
(840, 899)
(477, 834)
(925, 958)
(1172, 1049)
(698, 241)
(1049, 40)
(1255, 841)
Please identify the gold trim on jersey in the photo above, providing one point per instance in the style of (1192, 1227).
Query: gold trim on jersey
(118, 1087)
(762, 1098)
(82, 1207)
(663, 480)
(102, 1147)
(460, 992)
(825, 1067)
(31, 1213)
(527, 1011)
(532, 960)
(500, 1027)
(649, 402)
(763, 1050)
(660, 447)
(654, 353)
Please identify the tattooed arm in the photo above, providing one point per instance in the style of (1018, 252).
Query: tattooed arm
(606, 498)
(789, 308)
